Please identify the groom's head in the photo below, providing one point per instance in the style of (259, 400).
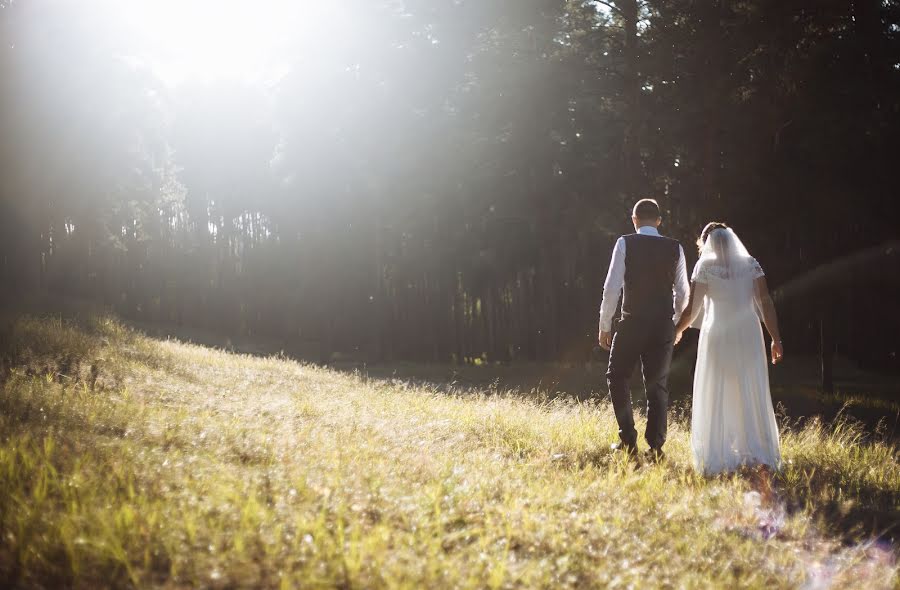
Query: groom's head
(646, 212)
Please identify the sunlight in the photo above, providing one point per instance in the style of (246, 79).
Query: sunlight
(320, 293)
(206, 40)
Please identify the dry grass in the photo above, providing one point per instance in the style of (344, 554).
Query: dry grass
(131, 462)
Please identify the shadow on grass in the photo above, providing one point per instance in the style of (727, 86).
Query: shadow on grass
(861, 512)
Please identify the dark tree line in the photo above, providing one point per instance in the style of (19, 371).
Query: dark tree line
(447, 179)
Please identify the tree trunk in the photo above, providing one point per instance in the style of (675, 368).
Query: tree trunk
(629, 10)
(826, 352)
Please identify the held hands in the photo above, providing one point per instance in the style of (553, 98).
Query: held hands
(777, 352)
(606, 344)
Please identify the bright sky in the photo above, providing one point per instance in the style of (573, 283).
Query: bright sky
(214, 39)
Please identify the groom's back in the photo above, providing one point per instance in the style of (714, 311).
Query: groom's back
(650, 265)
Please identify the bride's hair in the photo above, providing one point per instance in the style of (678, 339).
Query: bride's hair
(710, 227)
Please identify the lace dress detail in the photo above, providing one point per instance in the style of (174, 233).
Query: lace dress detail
(756, 270)
(704, 270)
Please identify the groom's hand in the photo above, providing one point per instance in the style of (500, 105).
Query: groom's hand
(605, 340)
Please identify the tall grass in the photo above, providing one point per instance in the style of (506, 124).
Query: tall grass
(131, 462)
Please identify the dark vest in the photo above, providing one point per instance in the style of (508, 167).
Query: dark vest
(650, 263)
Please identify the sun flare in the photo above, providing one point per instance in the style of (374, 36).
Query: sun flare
(184, 40)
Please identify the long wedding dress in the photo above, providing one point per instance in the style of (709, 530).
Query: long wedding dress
(733, 422)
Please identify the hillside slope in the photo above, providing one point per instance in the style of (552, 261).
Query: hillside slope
(126, 461)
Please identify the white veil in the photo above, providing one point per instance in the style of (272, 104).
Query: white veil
(725, 256)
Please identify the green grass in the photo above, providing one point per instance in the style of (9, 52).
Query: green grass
(126, 461)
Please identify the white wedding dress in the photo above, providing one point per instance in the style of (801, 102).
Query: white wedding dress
(733, 422)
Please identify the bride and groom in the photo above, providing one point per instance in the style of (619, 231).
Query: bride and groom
(732, 420)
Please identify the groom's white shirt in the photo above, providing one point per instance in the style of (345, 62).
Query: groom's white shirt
(615, 280)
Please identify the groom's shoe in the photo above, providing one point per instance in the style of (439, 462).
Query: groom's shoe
(625, 448)
(654, 455)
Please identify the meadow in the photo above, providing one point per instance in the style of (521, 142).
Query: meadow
(127, 461)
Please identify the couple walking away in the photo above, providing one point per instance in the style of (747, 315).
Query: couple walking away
(732, 420)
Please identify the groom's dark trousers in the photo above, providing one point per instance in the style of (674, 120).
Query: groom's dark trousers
(645, 334)
(649, 342)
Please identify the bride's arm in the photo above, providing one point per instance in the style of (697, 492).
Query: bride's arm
(769, 317)
(698, 292)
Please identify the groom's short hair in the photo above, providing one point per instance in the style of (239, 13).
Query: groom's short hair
(647, 209)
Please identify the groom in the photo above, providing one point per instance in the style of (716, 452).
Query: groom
(651, 270)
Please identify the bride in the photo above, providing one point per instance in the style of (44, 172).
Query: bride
(732, 422)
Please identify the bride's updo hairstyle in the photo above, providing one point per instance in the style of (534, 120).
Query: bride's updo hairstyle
(710, 227)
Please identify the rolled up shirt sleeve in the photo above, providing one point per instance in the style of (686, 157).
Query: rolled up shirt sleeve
(682, 287)
(612, 288)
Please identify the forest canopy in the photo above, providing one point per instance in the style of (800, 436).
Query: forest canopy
(434, 180)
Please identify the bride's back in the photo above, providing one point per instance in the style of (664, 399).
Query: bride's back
(729, 273)
(732, 419)
(725, 288)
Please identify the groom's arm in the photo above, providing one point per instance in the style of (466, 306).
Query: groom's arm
(612, 290)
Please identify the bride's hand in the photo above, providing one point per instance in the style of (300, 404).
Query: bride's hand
(777, 352)
(678, 336)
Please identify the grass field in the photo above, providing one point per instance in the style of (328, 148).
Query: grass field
(126, 461)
